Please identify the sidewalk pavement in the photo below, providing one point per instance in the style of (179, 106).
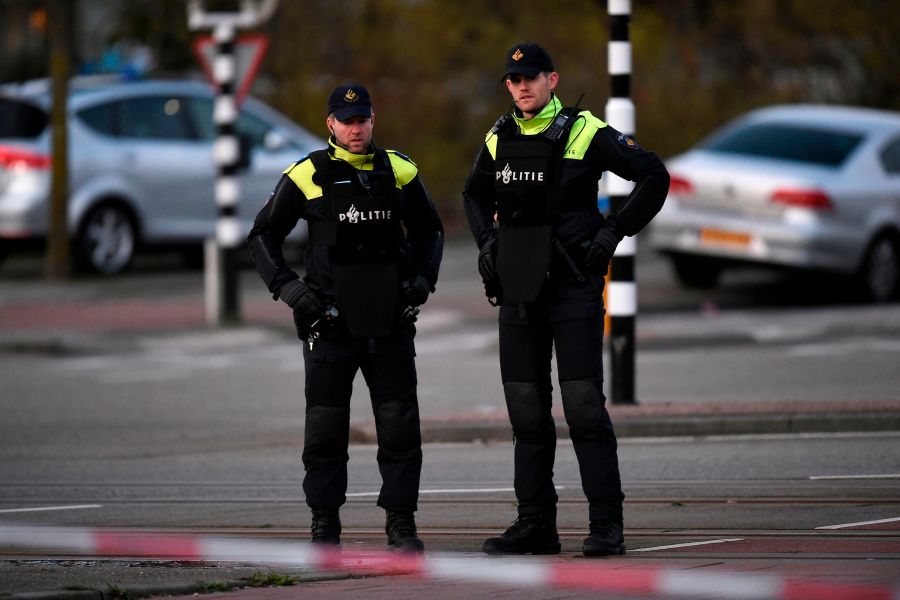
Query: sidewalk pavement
(61, 320)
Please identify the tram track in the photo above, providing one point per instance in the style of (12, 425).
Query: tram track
(679, 501)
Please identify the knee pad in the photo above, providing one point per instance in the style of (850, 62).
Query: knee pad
(398, 427)
(583, 405)
(527, 412)
(327, 432)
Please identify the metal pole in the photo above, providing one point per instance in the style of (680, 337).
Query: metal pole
(224, 283)
(622, 287)
(60, 23)
(221, 252)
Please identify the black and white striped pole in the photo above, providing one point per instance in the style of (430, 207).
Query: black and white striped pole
(221, 252)
(622, 291)
(222, 283)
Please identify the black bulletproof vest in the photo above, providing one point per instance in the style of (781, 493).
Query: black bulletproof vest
(528, 197)
(364, 207)
(523, 182)
(364, 239)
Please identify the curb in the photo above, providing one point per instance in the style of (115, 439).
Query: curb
(665, 426)
(119, 592)
(143, 591)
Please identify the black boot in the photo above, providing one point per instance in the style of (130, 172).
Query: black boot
(529, 534)
(401, 532)
(326, 526)
(605, 539)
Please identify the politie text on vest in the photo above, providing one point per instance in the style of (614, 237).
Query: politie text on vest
(508, 175)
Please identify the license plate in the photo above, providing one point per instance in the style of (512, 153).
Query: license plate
(721, 237)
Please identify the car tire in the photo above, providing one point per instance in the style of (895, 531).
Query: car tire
(107, 239)
(696, 273)
(879, 275)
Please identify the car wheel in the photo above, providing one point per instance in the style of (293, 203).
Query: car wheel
(694, 272)
(193, 257)
(880, 273)
(107, 239)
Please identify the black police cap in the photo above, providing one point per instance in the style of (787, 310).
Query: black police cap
(349, 101)
(527, 59)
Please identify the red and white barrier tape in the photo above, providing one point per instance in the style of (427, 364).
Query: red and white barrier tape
(516, 572)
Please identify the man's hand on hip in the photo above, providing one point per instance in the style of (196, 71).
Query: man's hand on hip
(602, 248)
(301, 298)
(416, 290)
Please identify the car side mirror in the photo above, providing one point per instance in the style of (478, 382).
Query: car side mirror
(275, 140)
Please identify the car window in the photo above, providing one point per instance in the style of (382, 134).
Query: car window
(890, 157)
(253, 128)
(101, 118)
(20, 119)
(156, 117)
(787, 142)
(200, 112)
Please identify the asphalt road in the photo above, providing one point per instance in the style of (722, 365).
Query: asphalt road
(467, 486)
(200, 429)
(824, 503)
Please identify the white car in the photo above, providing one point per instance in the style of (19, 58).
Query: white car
(141, 166)
(796, 186)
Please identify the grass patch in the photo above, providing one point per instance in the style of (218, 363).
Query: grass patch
(114, 591)
(207, 587)
(260, 579)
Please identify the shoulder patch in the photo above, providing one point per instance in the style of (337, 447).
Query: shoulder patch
(627, 141)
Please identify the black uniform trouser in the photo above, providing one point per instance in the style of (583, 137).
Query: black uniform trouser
(571, 320)
(388, 365)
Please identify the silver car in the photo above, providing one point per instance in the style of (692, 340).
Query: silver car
(798, 186)
(141, 166)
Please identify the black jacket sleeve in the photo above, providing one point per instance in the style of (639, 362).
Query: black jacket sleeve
(424, 230)
(479, 200)
(619, 153)
(273, 223)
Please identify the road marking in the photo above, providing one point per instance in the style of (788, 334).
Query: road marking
(686, 545)
(692, 439)
(887, 476)
(448, 491)
(842, 348)
(45, 508)
(860, 524)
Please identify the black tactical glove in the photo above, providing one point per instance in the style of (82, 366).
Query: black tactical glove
(486, 266)
(416, 290)
(602, 248)
(302, 299)
(493, 291)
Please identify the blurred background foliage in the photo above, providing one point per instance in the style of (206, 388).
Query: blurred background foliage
(433, 67)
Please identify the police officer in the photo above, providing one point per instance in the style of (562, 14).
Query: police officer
(531, 202)
(375, 246)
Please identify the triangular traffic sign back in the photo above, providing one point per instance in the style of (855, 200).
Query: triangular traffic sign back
(249, 50)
